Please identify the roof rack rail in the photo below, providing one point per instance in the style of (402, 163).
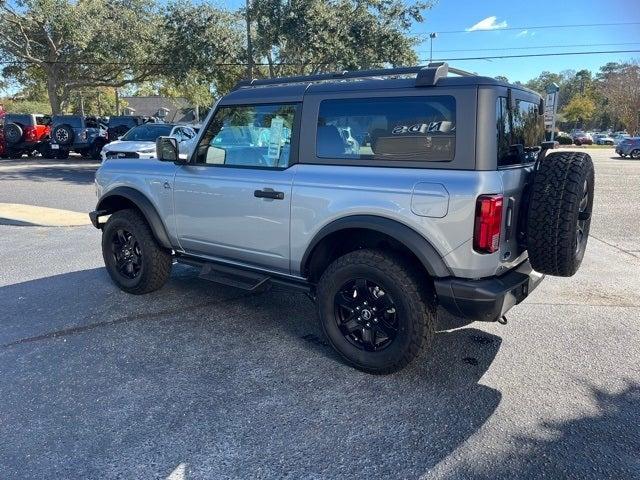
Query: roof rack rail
(425, 75)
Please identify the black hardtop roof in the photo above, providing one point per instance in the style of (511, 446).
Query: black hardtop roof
(434, 75)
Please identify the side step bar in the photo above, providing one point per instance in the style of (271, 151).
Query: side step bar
(233, 277)
(240, 277)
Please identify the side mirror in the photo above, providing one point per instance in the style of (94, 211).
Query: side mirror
(167, 150)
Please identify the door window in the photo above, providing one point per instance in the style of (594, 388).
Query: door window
(249, 135)
(399, 128)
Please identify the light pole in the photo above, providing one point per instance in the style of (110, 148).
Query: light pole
(432, 35)
(249, 44)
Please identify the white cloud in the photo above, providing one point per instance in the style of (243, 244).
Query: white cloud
(523, 33)
(489, 23)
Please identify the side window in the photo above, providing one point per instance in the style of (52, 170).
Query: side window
(251, 135)
(519, 132)
(179, 134)
(396, 129)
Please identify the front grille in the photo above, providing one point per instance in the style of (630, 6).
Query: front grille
(112, 154)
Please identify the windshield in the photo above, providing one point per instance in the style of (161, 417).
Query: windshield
(147, 133)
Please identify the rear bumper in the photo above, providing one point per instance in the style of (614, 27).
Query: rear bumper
(487, 299)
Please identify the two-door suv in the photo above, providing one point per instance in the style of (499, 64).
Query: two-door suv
(381, 193)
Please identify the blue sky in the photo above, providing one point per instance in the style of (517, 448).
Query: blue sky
(460, 15)
(494, 17)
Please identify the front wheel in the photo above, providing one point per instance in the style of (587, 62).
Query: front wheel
(375, 310)
(133, 258)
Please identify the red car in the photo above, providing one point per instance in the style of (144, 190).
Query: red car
(582, 139)
(24, 134)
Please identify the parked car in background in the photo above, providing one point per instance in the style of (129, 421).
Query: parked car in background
(582, 139)
(629, 146)
(140, 141)
(75, 133)
(619, 137)
(24, 134)
(117, 126)
(602, 139)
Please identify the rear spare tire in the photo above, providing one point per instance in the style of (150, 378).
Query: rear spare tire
(13, 133)
(559, 214)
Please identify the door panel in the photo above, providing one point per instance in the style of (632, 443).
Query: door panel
(218, 214)
(233, 201)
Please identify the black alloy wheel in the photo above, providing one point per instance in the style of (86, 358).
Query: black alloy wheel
(127, 253)
(366, 315)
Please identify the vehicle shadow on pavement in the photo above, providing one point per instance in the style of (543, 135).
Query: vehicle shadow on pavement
(569, 447)
(100, 384)
(78, 174)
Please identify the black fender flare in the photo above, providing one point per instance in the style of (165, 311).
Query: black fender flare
(141, 201)
(416, 243)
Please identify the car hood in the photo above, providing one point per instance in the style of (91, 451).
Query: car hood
(128, 146)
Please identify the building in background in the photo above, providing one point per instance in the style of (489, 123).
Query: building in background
(171, 110)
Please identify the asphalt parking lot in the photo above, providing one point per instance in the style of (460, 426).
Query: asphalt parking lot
(199, 380)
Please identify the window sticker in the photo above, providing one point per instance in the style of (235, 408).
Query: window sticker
(276, 132)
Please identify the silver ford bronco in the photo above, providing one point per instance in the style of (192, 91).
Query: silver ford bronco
(383, 194)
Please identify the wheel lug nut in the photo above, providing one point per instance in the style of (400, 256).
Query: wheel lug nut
(368, 324)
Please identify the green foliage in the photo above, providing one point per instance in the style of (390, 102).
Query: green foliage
(200, 37)
(580, 108)
(21, 105)
(79, 44)
(310, 36)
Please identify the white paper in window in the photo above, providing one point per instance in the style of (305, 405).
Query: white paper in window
(275, 138)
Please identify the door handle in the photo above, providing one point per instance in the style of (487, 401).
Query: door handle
(269, 193)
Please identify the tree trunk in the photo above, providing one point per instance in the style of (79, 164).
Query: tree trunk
(52, 90)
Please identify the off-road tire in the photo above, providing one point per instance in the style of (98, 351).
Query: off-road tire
(156, 260)
(554, 213)
(412, 293)
(63, 134)
(13, 133)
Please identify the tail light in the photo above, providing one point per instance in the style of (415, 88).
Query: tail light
(30, 133)
(486, 234)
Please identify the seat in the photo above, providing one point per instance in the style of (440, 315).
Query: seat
(329, 142)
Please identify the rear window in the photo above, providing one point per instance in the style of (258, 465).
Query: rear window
(396, 129)
(520, 132)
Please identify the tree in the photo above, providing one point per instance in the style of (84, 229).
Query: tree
(546, 78)
(579, 109)
(75, 45)
(620, 85)
(310, 36)
(205, 52)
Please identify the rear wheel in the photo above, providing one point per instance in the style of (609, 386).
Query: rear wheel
(635, 153)
(374, 312)
(134, 259)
